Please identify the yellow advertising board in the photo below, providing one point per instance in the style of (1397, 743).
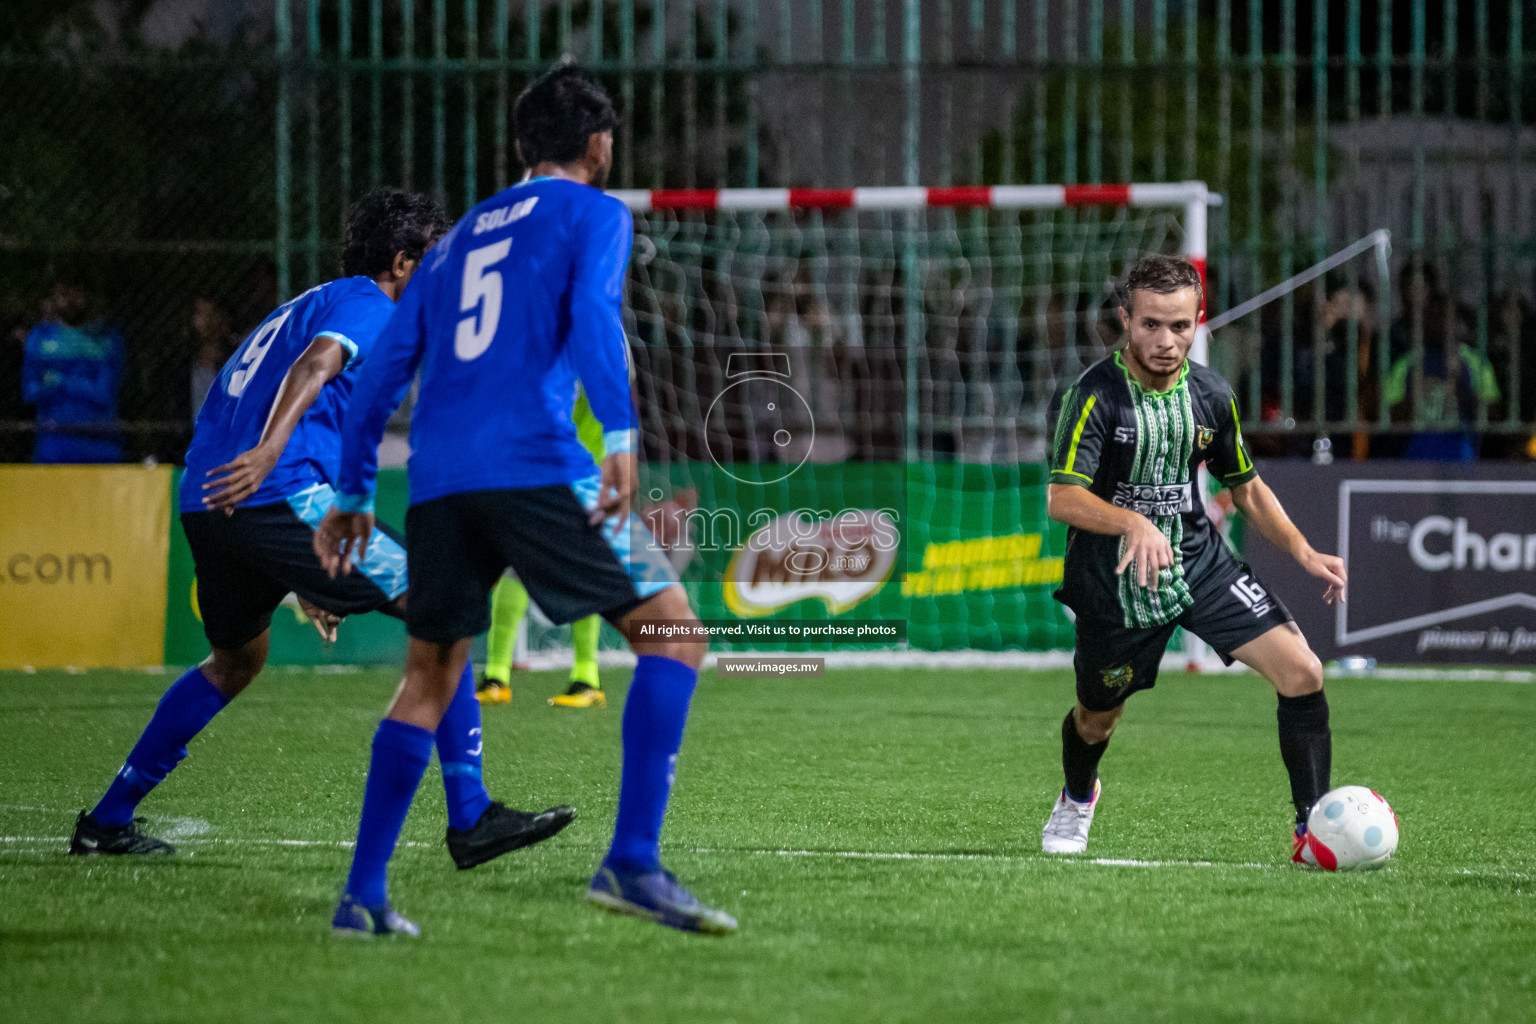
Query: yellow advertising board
(83, 565)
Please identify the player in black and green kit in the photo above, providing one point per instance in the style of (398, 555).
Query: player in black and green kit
(1143, 558)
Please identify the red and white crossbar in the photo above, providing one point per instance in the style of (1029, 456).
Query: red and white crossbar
(1001, 197)
(1192, 196)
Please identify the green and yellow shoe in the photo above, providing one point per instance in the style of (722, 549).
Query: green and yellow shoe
(493, 691)
(580, 695)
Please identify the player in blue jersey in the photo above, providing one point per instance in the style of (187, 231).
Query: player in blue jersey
(519, 302)
(260, 474)
(72, 375)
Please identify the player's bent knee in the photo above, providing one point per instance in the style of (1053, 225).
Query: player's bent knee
(669, 606)
(689, 652)
(1301, 677)
(1097, 727)
(231, 670)
(433, 669)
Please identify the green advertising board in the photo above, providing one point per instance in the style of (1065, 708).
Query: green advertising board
(977, 561)
(973, 567)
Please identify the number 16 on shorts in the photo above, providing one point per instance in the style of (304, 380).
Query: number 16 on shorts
(1248, 591)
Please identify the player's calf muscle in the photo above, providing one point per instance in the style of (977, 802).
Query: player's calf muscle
(232, 670)
(431, 675)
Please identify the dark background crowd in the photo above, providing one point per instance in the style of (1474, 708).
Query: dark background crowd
(171, 169)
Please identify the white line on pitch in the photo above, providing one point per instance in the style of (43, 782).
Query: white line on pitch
(891, 855)
(997, 857)
(342, 844)
(336, 844)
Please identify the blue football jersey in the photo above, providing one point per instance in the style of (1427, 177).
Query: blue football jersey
(519, 302)
(72, 375)
(352, 311)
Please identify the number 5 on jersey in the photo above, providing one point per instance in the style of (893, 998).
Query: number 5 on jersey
(480, 298)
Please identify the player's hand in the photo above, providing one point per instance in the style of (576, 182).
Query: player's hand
(1147, 549)
(342, 539)
(325, 622)
(616, 489)
(1329, 568)
(230, 484)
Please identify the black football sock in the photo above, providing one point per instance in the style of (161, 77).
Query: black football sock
(1079, 761)
(1306, 747)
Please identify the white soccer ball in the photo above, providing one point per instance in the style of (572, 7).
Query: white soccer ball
(1352, 829)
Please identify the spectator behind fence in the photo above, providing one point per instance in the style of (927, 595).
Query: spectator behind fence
(1455, 375)
(212, 334)
(72, 374)
(1351, 308)
(1512, 348)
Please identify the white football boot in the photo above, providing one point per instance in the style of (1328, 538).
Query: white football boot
(1066, 831)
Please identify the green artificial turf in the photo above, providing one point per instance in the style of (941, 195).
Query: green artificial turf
(788, 794)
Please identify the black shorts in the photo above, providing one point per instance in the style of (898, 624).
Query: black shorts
(462, 543)
(248, 562)
(1113, 661)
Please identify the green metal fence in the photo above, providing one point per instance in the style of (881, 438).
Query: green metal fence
(230, 163)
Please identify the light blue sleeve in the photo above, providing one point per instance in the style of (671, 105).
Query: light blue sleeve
(354, 322)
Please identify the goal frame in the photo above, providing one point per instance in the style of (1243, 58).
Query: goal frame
(1193, 198)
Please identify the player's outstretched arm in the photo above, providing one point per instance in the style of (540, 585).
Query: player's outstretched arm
(381, 386)
(230, 484)
(1255, 500)
(597, 342)
(1145, 546)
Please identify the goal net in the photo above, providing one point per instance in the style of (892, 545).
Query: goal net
(821, 371)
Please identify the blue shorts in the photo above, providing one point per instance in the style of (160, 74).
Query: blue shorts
(248, 562)
(462, 543)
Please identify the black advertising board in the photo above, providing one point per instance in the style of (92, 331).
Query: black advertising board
(1441, 559)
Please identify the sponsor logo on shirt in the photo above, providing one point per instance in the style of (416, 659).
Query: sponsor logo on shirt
(1155, 499)
(1125, 435)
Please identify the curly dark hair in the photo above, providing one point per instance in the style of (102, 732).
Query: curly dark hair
(557, 113)
(1163, 275)
(387, 221)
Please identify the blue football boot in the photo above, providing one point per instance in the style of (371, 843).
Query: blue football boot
(657, 896)
(353, 920)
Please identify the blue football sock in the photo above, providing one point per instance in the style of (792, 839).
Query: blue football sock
(654, 715)
(186, 708)
(400, 755)
(459, 744)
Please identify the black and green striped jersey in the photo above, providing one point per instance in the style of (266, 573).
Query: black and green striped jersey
(1142, 450)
